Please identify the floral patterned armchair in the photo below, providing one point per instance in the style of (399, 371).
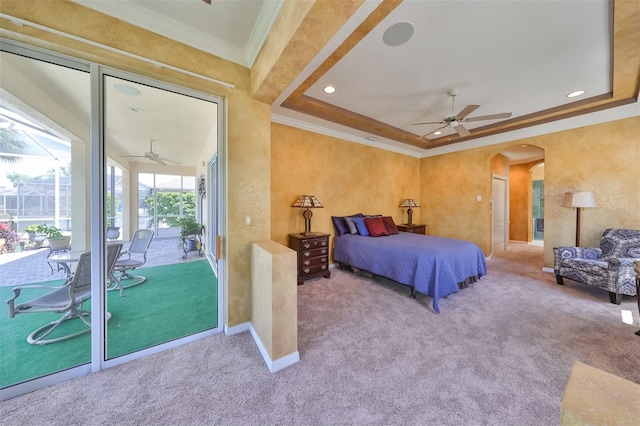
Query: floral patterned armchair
(610, 267)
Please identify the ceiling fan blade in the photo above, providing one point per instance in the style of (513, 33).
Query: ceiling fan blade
(207, 1)
(462, 131)
(157, 160)
(428, 122)
(433, 131)
(489, 117)
(134, 156)
(169, 161)
(466, 111)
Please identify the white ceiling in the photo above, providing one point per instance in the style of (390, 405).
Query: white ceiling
(231, 29)
(506, 56)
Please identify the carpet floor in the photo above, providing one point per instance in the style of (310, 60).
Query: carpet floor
(500, 353)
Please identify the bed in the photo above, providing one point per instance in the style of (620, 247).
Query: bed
(433, 266)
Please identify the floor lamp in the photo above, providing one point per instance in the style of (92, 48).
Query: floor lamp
(578, 200)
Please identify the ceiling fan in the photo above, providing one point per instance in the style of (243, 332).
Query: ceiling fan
(153, 156)
(455, 120)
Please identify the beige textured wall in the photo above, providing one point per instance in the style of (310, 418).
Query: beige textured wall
(449, 187)
(500, 165)
(602, 158)
(248, 194)
(346, 178)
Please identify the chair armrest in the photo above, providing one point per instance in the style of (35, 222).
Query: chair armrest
(16, 293)
(623, 261)
(11, 302)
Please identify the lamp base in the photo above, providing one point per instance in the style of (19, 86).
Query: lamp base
(308, 234)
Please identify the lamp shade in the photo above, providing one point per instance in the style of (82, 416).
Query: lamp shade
(410, 202)
(308, 202)
(579, 200)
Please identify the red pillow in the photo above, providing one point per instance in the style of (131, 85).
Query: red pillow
(390, 225)
(376, 227)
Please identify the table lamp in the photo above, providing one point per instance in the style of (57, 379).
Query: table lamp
(307, 202)
(410, 202)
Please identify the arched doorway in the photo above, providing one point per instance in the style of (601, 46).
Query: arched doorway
(519, 166)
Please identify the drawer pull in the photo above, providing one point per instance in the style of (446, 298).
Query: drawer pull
(307, 262)
(306, 270)
(323, 259)
(307, 245)
(306, 253)
(323, 251)
(323, 267)
(324, 243)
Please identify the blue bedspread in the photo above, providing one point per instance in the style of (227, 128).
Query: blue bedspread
(431, 265)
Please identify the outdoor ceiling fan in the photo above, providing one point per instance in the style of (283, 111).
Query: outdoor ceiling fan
(455, 120)
(153, 156)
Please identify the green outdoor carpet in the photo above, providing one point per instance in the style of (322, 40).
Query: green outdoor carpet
(175, 301)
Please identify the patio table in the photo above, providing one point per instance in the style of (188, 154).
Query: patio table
(65, 259)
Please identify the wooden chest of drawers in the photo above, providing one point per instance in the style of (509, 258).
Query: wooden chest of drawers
(313, 255)
(415, 229)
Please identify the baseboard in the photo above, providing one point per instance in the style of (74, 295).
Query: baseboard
(280, 363)
(546, 269)
(237, 329)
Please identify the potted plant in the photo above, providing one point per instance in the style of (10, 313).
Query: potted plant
(31, 230)
(57, 241)
(189, 226)
(10, 238)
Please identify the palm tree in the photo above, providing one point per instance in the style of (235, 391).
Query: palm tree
(10, 144)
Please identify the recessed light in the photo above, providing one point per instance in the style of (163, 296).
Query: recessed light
(576, 93)
(372, 138)
(437, 133)
(125, 88)
(136, 109)
(524, 145)
(329, 89)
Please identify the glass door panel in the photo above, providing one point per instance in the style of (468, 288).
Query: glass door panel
(160, 293)
(44, 146)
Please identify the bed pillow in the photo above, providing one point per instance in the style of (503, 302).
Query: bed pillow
(390, 225)
(351, 224)
(342, 227)
(376, 227)
(362, 228)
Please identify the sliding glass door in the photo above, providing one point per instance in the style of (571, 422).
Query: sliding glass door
(80, 221)
(163, 289)
(44, 147)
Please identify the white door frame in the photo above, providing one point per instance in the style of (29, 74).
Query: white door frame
(506, 209)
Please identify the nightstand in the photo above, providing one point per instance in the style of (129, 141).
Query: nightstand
(313, 255)
(414, 228)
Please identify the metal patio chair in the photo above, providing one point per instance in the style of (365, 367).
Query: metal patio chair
(130, 259)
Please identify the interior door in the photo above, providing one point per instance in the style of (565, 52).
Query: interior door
(499, 214)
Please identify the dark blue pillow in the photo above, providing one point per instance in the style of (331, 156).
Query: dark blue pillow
(362, 227)
(340, 224)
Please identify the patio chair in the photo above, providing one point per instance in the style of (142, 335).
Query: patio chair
(113, 253)
(113, 233)
(66, 300)
(132, 258)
